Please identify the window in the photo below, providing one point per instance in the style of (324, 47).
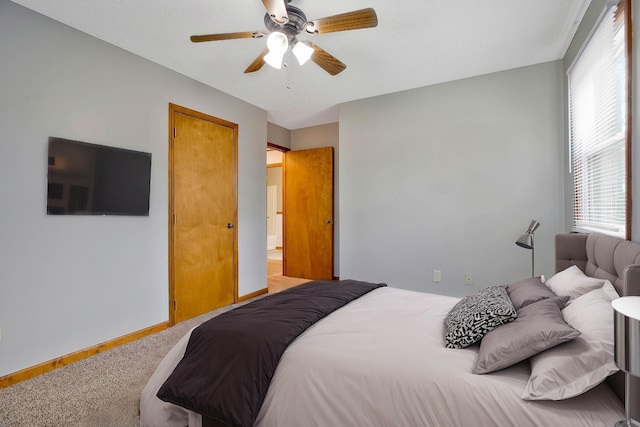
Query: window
(599, 128)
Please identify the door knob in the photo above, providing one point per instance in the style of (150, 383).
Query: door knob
(230, 225)
(328, 221)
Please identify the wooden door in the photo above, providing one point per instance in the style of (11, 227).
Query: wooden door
(203, 212)
(308, 213)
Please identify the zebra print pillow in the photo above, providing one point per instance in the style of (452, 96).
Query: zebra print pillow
(475, 315)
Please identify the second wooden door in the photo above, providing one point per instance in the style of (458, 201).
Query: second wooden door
(308, 213)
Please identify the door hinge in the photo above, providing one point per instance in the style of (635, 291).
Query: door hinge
(174, 305)
(175, 133)
(174, 219)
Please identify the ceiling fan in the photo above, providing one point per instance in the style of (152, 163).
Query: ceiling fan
(284, 23)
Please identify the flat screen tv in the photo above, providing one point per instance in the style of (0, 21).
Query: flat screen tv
(91, 179)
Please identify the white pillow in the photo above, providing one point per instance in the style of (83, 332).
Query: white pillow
(572, 282)
(579, 365)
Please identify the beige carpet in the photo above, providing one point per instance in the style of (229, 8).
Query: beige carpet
(100, 391)
(103, 390)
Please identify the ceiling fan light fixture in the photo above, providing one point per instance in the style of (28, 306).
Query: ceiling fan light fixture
(302, 51)
(277, 43)
(274, 59)
(284, 22)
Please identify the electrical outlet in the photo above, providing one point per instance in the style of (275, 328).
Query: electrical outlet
(437, 276)
(468, 279)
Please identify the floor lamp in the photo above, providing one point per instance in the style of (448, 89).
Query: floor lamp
(526, 241)
(627, 346)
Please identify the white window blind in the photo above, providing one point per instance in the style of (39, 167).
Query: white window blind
(598, 128)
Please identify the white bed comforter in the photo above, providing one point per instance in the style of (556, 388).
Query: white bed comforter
(381, 361)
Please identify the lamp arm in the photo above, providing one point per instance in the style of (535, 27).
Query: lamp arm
(533, 260)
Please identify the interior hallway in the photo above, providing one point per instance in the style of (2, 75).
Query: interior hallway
(275, 280)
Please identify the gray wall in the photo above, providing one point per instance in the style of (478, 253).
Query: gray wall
(68, 283)
(278, 135)
(635, 105)
(447, 177)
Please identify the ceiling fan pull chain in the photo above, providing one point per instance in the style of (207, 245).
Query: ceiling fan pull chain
(288, 71)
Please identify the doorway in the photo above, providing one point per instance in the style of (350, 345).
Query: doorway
(275, 190)
(202, 213)
(300, 198)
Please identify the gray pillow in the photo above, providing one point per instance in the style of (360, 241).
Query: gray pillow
(539, 326)
(476, 314)
(528, 291)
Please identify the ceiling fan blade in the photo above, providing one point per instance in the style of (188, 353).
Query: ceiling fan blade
(257, 63)
(277, 9)
(326, 61)
(363, 18)
(227, 36)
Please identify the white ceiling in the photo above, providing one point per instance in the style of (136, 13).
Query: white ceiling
(416, 43)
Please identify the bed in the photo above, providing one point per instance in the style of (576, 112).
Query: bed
(380, 360)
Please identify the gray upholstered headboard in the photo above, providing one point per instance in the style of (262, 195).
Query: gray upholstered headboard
(610, 258)
(601, 256)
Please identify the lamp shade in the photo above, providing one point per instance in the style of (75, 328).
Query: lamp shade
(277, 43)
(302, 51)
(627, 334)
(525, 241)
